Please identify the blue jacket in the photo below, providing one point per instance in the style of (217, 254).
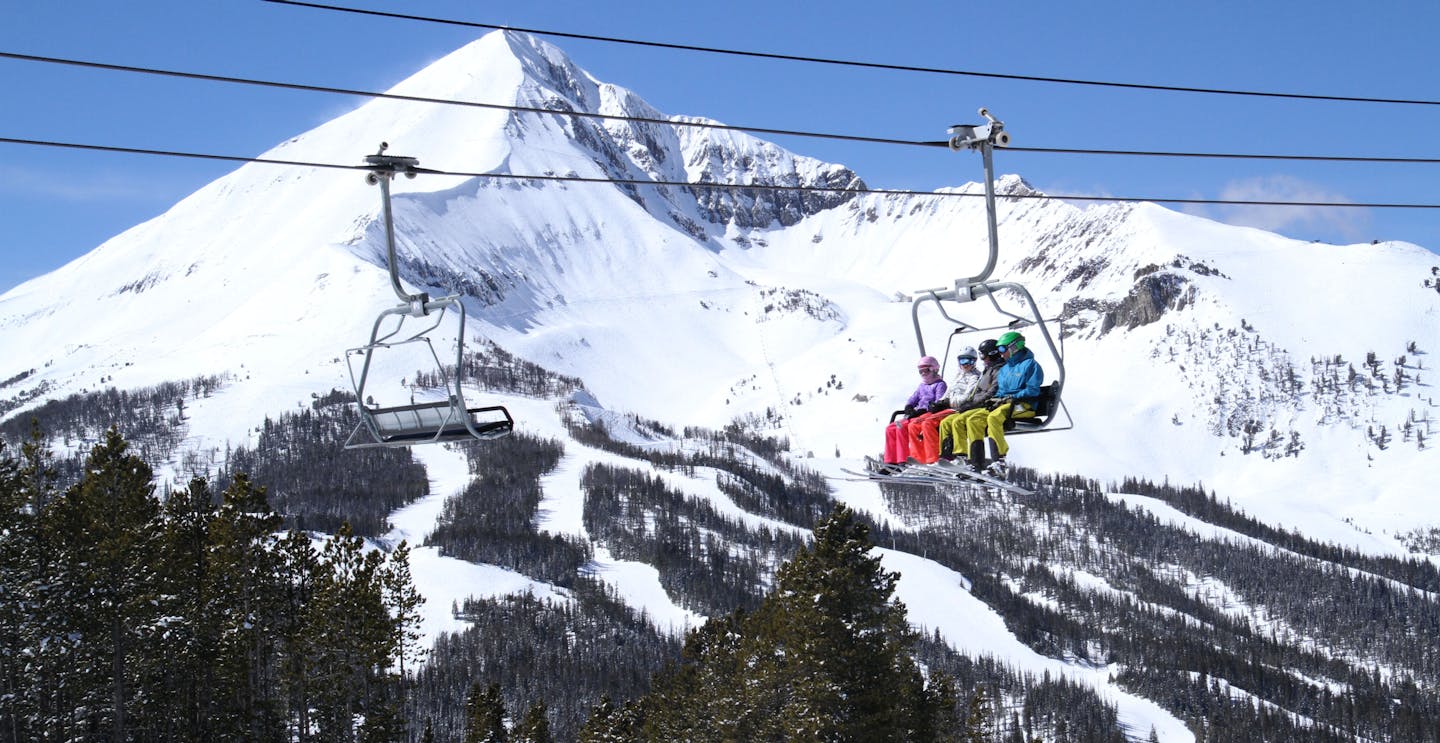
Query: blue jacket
(1020, 377)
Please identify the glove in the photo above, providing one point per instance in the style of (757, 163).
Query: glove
(938, 406)
(910, 411)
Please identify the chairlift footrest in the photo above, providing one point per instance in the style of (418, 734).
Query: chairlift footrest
(428, 423)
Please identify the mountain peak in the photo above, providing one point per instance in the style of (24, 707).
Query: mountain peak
(493, 67)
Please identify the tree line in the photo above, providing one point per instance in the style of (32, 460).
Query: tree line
(633, 514)
(153, 419)
(827, 654)
(314, 482)
(492, 521)
(712, 564)
(1300, 635)
(1292, 647)
(125, 618)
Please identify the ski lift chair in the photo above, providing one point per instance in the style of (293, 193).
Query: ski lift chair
(1049, 405)
(1046, 405)
(437, 421)
(985, 137)
(450, 419)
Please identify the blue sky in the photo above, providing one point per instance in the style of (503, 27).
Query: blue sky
(58, 204)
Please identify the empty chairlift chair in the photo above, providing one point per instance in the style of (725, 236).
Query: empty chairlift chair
(428, 422)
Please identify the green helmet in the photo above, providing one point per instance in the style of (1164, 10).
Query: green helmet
(1012, 340)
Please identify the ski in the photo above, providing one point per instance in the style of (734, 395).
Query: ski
(966, 472)
(942, 473)
(901, 477)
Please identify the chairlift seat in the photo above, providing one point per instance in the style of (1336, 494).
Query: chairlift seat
(1044, 406)
(436, 422)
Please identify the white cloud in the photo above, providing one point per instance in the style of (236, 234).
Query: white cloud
(87, 188)
(1330, 223)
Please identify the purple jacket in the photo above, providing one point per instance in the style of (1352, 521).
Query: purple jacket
(925, 394)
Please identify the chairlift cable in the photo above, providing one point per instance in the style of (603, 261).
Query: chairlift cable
(1229, 155)
(865, 64)
(454, 102)
(771, 131)
(719, 186)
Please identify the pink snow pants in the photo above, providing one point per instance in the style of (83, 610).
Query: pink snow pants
(897, 441)
(924, 435)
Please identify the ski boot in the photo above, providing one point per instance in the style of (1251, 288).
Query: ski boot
(977, 455)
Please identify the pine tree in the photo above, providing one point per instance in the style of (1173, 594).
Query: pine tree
(403, 603)
(825, 657)
(30, 700)
(977, 718)
(841, 640)
(535, 728)
(188, 694)
(484, 715)
(102, 612)
(17, 554)
(246, 590)
(602, 725)
(352, 640)
(609, 724)
(298, 568)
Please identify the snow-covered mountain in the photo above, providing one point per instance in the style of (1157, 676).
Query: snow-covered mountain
(1180, 330)
(1288, 377)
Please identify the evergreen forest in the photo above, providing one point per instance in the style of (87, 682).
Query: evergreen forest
(258, 601)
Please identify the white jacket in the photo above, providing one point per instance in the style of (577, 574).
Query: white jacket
(961, 385)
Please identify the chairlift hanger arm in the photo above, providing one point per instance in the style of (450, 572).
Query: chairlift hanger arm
(403, 311)
(929, 295)
(962, 292)
(988, 291)
(984, 137)
(383, 169)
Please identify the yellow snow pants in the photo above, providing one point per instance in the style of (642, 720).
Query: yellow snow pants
(954, 428)
(992, 423)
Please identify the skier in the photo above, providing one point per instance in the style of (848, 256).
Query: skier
(1017, 385)
(931, 388)
(924, 431)
(952, 434)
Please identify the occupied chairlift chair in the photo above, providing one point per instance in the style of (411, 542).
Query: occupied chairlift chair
(1049, 406)
(428, 422)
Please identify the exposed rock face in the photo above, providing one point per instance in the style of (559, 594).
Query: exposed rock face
(1151, 297)
(763, 208)
(719, 156)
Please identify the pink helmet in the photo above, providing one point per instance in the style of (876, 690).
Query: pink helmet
(928, 361)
